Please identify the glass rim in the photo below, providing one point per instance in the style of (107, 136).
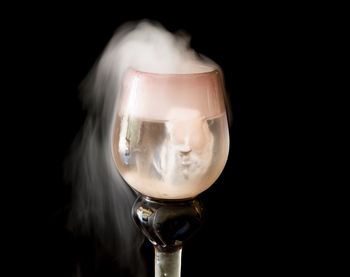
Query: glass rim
(214, 71)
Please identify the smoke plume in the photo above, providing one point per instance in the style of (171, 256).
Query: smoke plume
(102, 200)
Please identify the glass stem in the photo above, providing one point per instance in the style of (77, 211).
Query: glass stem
(167, 263)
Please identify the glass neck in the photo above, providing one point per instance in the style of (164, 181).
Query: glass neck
(167, 263)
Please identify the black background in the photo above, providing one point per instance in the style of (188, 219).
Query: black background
(255, 223)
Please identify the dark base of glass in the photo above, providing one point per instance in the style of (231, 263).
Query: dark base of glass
(167, 223)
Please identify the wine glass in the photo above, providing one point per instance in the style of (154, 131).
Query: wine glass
(170, 143)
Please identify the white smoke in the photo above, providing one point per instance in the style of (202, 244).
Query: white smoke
(102, 201)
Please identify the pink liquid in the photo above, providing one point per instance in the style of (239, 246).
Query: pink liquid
(173, 159)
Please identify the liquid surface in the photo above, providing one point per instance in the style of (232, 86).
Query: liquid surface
(173, 159)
